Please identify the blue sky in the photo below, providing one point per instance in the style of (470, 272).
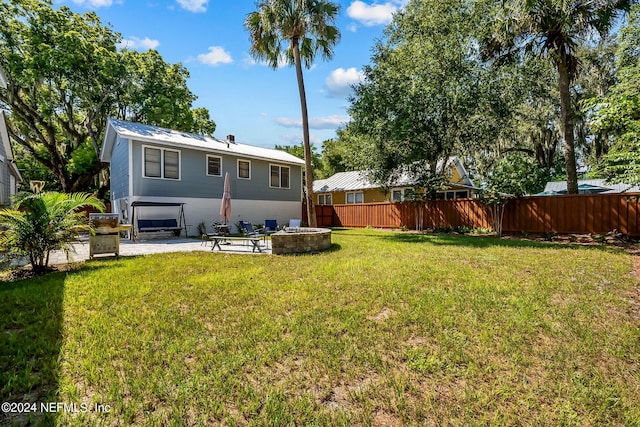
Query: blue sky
(257, 104)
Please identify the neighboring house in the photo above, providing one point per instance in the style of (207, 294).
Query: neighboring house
(10, 177)
(588, 186)
(354, 187)
(152, 164)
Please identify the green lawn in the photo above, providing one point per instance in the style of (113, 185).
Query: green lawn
(384, 329)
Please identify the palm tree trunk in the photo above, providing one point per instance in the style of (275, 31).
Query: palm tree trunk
(567, 127)
(311, 210)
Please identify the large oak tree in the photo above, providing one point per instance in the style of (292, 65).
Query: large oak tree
(425, 97)
(65, 77)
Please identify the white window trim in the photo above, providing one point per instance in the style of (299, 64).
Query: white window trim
(455, 194)
(238, 169)
(355, 193)
(280, 180)
(324, 195)
(206, 165)
(401, 190)
(162, 150)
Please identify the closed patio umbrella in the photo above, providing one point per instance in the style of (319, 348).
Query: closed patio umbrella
(225, 206)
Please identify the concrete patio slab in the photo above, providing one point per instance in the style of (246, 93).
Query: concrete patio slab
(153, 246)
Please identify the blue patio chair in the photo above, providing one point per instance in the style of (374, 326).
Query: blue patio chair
(270, 226)
(248, 230)
(295, 224)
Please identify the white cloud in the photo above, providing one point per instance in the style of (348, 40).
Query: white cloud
(250, 61)
(195, 6)
(289, 122)
(373, 14)
(138, 43)
(318, 123)
(217, 55)
(341, 80)
(296, 138)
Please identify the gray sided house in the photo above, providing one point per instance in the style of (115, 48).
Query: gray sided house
(152, 164)
(10, 177)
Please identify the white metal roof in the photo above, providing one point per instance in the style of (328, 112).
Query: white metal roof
(561, 186)
(357, 180)
(162, 136)
(342, 181)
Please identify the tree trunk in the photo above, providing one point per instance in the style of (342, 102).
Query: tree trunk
(311, 210)
(567, 127)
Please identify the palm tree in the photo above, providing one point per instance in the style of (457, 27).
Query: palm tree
(41, 223)
(555, 28)
(295, 31)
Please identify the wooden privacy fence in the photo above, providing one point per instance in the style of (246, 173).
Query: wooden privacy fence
(584, 213)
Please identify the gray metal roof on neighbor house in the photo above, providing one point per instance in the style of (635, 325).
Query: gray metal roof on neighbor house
(343, 181)
(592, 186)
(168, 137)
(357, 180)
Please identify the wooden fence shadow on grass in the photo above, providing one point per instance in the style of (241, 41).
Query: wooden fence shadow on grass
(31, 315)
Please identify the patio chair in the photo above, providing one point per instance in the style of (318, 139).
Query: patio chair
(247, 230)
(295, 224)
(270, 226)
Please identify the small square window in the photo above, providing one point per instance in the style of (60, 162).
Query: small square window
(244, 169)
(214, 166)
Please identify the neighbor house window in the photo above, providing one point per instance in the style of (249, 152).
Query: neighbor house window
(402, 194)
(161, 163)
(214, 166)
(452, 195)
(244, 169)
(279, 176)
(355, 197)
(324, 199)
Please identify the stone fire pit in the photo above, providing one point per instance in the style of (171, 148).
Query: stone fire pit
(300, 240)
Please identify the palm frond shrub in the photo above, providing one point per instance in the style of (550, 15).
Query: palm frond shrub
(45, 222)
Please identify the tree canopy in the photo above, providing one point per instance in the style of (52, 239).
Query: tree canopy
(555, 29)
(501, 85)
(66, 76)
(618, 113)
(425, 96)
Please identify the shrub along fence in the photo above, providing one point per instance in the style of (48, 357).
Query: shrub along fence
(583, 213)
